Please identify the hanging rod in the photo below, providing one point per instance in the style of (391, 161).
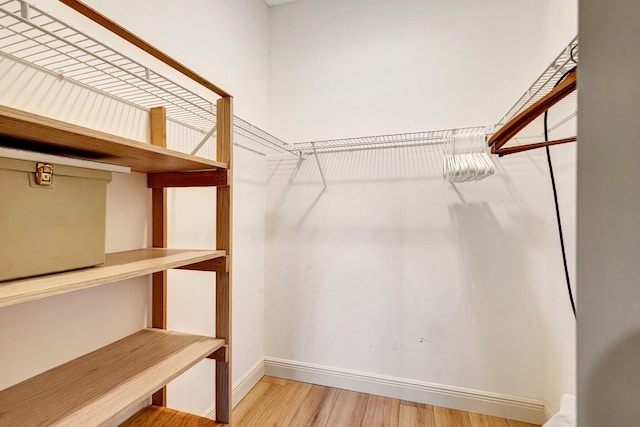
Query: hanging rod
(399, 140)
(520, 148)
(35, 38)
(542, 94)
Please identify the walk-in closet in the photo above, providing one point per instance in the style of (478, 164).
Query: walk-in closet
(319, 213)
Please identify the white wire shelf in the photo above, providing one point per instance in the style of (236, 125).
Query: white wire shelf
(566, 60)
(33, 37)
(399, 140)
(30, 36)
(562, 115)
(262, 137)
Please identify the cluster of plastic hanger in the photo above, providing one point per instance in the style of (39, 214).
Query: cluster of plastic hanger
(466, 159)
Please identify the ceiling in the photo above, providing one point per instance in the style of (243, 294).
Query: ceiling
(277, 2)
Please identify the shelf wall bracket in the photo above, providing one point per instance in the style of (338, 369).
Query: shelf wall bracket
(204, 140)
(219, 265)
(25, 10)
(220, 355)
(315, 153)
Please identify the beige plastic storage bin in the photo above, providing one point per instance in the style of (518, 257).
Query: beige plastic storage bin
(50, 228)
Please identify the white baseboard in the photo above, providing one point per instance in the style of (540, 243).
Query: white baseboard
(244, 385)
(241, 387)
(548, 411)
(499, 405)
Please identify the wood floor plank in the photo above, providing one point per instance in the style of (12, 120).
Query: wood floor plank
(480, 420)
(408, 416)
(289, 401)
(445, 417)
(513, 423)
(381, 412)
(153, 416)
(279, 402)
(416, 404)
(255, 404)
(416, 415)
(349, 409)
(316, 408)
(425, 416)
(274, 380)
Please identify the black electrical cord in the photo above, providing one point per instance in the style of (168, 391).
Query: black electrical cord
(571, 54)
(555, 199)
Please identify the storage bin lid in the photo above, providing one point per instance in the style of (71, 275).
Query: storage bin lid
(33, 156)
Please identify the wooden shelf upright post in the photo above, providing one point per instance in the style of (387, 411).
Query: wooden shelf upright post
(224, 150)
(159, 239)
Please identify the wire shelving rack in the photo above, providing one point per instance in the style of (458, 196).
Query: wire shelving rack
(399, 140)
(566, 60)
(34, 37)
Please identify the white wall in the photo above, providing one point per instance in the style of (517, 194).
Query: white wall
(559, 322)
(227, 43)
(560, 26)
(608, 212)
(390, 272)
(356, 68)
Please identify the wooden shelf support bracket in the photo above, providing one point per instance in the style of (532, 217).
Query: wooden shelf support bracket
(209, 178)
(220, 355)
(219, 265)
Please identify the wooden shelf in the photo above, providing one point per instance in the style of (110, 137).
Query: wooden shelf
(110, 383)
(153, 416)
(94, 389)
(56, 137)
(117, 266)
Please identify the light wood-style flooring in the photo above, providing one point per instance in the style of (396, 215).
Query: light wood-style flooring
(278, 402)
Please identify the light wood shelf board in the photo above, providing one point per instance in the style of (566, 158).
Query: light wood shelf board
(153, 416)
(118, 266)
(57, 137)
(96, 388)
